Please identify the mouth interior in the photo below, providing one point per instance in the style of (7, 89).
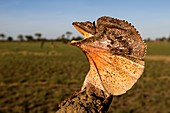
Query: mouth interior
(83, 32)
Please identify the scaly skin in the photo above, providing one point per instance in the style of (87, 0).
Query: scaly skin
(116, 53)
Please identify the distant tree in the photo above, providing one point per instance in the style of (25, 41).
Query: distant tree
(38, 35)
(20, 37)
(68, 33)
(10, 38)
(148, 39)
(63, 39)
(2, 35)
(162, 39)
(77, 38)
(29, 38)
(168, 39)
(62, 36)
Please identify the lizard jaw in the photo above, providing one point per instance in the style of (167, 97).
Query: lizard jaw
(83, 32)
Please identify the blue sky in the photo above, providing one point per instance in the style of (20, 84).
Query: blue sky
(53, 18)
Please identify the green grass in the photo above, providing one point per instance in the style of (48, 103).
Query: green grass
(35, 80)
(158, 48)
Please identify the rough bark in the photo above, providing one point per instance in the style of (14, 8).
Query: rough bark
(91, 100)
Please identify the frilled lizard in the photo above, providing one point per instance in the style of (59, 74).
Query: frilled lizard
(115, 51)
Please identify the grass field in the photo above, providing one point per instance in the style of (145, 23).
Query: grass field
(35, 80)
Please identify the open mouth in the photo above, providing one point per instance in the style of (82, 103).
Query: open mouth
(82, 31)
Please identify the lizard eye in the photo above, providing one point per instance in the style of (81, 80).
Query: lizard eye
(88, 26)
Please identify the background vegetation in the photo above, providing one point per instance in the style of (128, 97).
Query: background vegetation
(34, 79)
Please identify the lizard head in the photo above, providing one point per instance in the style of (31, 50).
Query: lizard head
(87, 29)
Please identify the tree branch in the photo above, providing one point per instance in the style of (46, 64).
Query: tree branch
(91, 100)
